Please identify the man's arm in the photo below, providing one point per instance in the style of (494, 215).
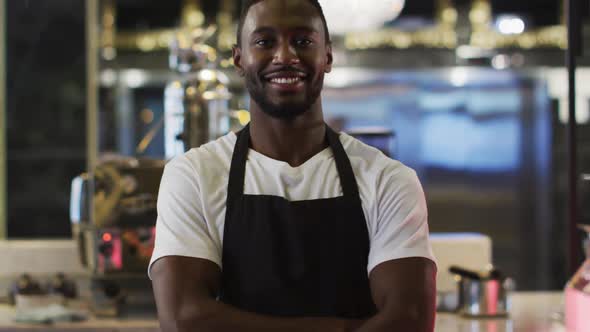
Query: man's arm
(186, 289)
(404, 291)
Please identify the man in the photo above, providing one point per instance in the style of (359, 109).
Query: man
(287, 225)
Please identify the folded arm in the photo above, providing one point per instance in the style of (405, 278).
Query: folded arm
(186, 289)
(404, 291)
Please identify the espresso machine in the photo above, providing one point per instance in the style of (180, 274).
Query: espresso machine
(113, 216)
(113, 206)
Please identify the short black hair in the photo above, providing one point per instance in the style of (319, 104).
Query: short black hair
(246, 4)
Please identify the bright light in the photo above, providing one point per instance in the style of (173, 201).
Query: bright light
(108, 77)
(339, 78)
(501, 61)
(582, 111)
(354, 15)
(459, 76)
(107, 237)
(342, 77)
(210, 75)
(510, 25)
(135, 78)
(207, 75)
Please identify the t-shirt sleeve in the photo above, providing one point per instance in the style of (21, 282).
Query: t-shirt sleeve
(181, 228)
(401, 230)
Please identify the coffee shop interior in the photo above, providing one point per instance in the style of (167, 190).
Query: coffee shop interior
(487, 100)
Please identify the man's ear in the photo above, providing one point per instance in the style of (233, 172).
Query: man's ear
(329, 57)
(237, 57)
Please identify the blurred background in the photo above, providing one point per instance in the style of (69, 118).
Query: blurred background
(472, 94)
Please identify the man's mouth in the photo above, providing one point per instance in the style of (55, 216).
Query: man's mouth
(286, 80)
(286, 77)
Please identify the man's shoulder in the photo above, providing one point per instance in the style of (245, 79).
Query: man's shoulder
(367, 159)
(207, 158)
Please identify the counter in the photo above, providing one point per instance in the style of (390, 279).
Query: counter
(531, 312)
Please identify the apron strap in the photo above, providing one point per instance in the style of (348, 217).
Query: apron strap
(237, 171)
(347, 178)
(240, 155)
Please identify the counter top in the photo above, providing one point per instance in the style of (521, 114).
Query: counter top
(531, 312)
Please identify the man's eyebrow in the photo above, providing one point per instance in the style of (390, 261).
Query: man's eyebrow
(306, 29)
(263, 29)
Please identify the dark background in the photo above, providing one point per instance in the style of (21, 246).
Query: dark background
(46, 120)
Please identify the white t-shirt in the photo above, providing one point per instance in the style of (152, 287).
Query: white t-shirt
(193, 190)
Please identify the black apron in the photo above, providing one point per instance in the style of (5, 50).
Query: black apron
(301, 258)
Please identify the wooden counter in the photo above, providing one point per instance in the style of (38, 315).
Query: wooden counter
(531, 312)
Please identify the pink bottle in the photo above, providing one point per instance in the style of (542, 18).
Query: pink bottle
(577, 296)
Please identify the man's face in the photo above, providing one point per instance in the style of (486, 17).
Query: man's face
(283, 56)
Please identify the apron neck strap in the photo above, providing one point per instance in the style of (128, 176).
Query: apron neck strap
(347, 178)
(240, 155)
(237, 171)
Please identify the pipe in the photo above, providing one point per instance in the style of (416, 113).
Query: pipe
(573, 50)
(92, 55)
(3, 195)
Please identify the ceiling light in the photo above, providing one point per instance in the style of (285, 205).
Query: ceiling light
(510, 25)
(357, 15)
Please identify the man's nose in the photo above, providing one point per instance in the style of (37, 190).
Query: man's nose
(285, 54)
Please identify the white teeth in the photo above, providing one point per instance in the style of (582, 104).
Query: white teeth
(285, 80)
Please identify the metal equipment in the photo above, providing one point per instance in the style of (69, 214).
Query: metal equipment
(196, 105)
(116, 236)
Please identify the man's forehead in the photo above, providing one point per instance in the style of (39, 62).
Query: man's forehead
(282, 14)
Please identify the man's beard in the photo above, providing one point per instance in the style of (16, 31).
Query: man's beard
(285, 111)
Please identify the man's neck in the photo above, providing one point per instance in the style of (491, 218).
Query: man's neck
(293, 141)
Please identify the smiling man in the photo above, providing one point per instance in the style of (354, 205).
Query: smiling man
(288, 225)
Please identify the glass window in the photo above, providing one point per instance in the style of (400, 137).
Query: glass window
(45, 113)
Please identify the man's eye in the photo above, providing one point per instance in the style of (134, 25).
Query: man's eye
(303, 42)
(263, 42)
